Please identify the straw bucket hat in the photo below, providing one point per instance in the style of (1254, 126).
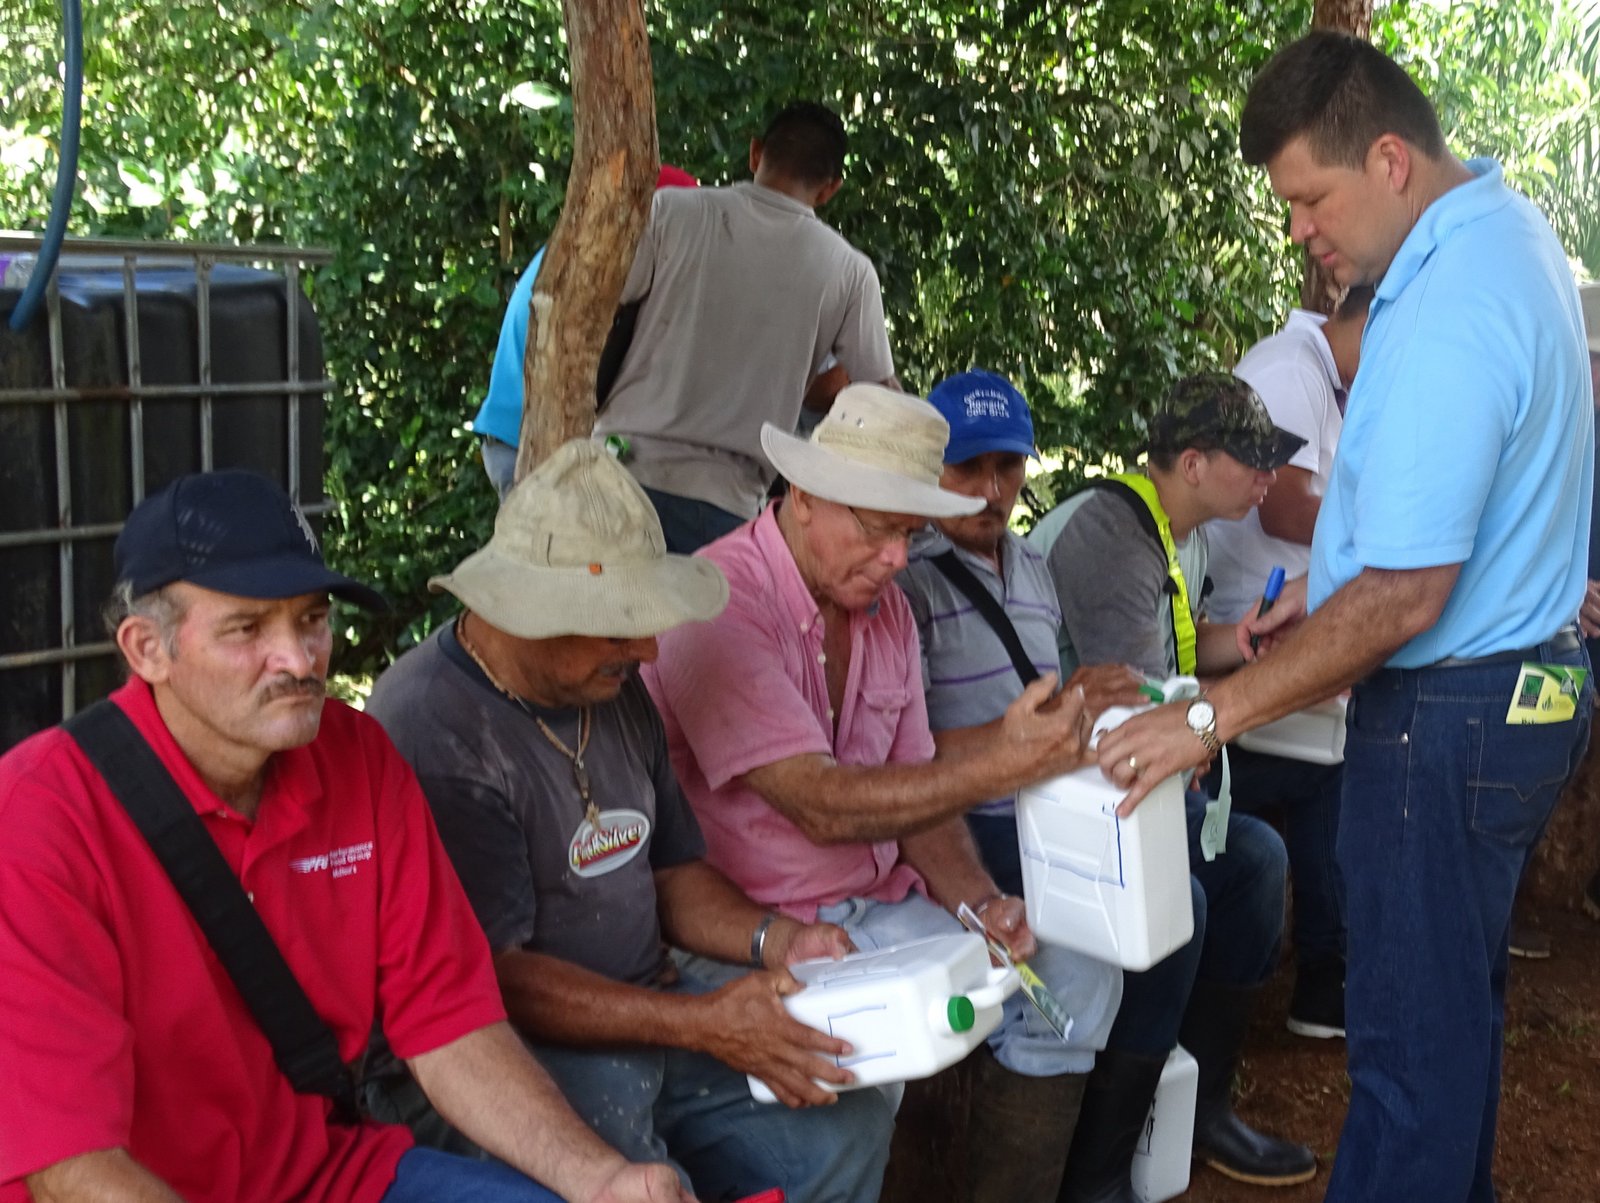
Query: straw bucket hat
(578, 550)
(877, 449)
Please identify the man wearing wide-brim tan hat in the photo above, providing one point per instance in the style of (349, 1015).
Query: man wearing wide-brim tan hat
(797, 723)
(546, 768)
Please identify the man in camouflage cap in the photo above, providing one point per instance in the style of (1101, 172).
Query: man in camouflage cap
(1213, 453)
(1128, 558)
(1215, 411)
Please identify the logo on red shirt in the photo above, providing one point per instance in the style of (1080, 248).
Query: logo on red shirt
(342, 862)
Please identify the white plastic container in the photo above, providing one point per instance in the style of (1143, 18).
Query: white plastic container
(908, 1011)
(1113, 889)
(1161, 1159)
(1314, 735)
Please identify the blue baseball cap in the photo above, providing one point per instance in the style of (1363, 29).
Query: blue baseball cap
(234, 532)
(986, 413)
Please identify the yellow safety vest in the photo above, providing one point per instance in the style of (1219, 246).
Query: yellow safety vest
(1183, 632)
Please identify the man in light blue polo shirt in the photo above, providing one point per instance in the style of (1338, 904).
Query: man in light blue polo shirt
(1447, 569)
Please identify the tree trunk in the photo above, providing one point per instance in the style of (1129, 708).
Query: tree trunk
(608, 195)
(1318, 292)
(1352, 16)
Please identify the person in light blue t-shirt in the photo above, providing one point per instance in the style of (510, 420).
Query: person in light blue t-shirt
(1448, 567)
(499, 419)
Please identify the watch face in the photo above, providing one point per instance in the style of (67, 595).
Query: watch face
(1202, 716)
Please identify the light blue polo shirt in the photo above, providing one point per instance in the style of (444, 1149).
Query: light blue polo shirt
(1468, 436)
(500, 416)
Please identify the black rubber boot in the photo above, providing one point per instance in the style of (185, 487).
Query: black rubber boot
(1213, 1031)
(1116, 1103)
(1018, 1132)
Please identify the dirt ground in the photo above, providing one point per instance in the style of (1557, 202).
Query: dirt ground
(1549, 1147)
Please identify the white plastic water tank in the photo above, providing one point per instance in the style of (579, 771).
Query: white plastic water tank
(1160, 1167)
(908, 1011)
(1111, 888)
(1314, 735)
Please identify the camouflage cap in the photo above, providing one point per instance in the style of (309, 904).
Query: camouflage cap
(1216, 411)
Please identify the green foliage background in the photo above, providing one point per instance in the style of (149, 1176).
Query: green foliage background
(1049, 190)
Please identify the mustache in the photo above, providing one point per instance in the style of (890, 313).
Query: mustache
(289, 687)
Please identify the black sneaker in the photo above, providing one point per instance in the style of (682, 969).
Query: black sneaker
(1317, 1008)
(1591, 897)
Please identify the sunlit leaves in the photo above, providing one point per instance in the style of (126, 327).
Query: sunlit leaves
(1052, 190)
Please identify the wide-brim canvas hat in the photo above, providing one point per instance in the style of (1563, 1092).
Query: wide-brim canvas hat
(876, 449)
(1589, 294)
(578, 550)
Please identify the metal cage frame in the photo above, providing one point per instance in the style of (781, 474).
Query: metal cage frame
(203, 256)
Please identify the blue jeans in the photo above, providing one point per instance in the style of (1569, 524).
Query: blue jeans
(428, 1176)
(500, 462)
(689, 524)
(1238, 922)
(1443, 803)
(1309, 797)
(692, 1111)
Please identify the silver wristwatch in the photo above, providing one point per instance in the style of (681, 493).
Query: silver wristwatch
(1202, 719)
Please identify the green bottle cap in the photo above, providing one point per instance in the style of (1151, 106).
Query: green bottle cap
(960, 1013)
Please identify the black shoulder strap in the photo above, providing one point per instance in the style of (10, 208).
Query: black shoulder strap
(993, 612)
(1147, 520)
(302, 1043)
(618, 340)
(1117, 488)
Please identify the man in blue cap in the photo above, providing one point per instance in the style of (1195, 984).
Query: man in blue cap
(970, 677)
(135, 1066)
(969, 681)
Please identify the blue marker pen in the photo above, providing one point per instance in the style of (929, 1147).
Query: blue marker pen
(1268, 597)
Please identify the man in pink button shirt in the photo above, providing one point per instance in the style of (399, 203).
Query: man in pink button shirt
(797, 727)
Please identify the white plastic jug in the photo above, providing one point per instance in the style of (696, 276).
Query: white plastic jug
(908, 1011)
(1314, 735)
(1160, 1167)
(1111, 888)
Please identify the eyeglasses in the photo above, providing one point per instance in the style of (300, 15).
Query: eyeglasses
(883, 536)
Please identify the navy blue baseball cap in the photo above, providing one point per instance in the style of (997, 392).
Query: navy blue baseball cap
(986, 413)
(233, 532)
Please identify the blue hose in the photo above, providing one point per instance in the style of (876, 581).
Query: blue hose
(66, 170)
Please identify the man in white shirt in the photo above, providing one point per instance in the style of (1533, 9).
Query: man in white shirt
(1302, 372)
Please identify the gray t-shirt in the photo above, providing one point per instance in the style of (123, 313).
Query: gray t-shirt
(1110, 576)
(966, 671)
(511, 819)
(746, 295)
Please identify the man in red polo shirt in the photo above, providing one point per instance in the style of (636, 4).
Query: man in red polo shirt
(130, 1067)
